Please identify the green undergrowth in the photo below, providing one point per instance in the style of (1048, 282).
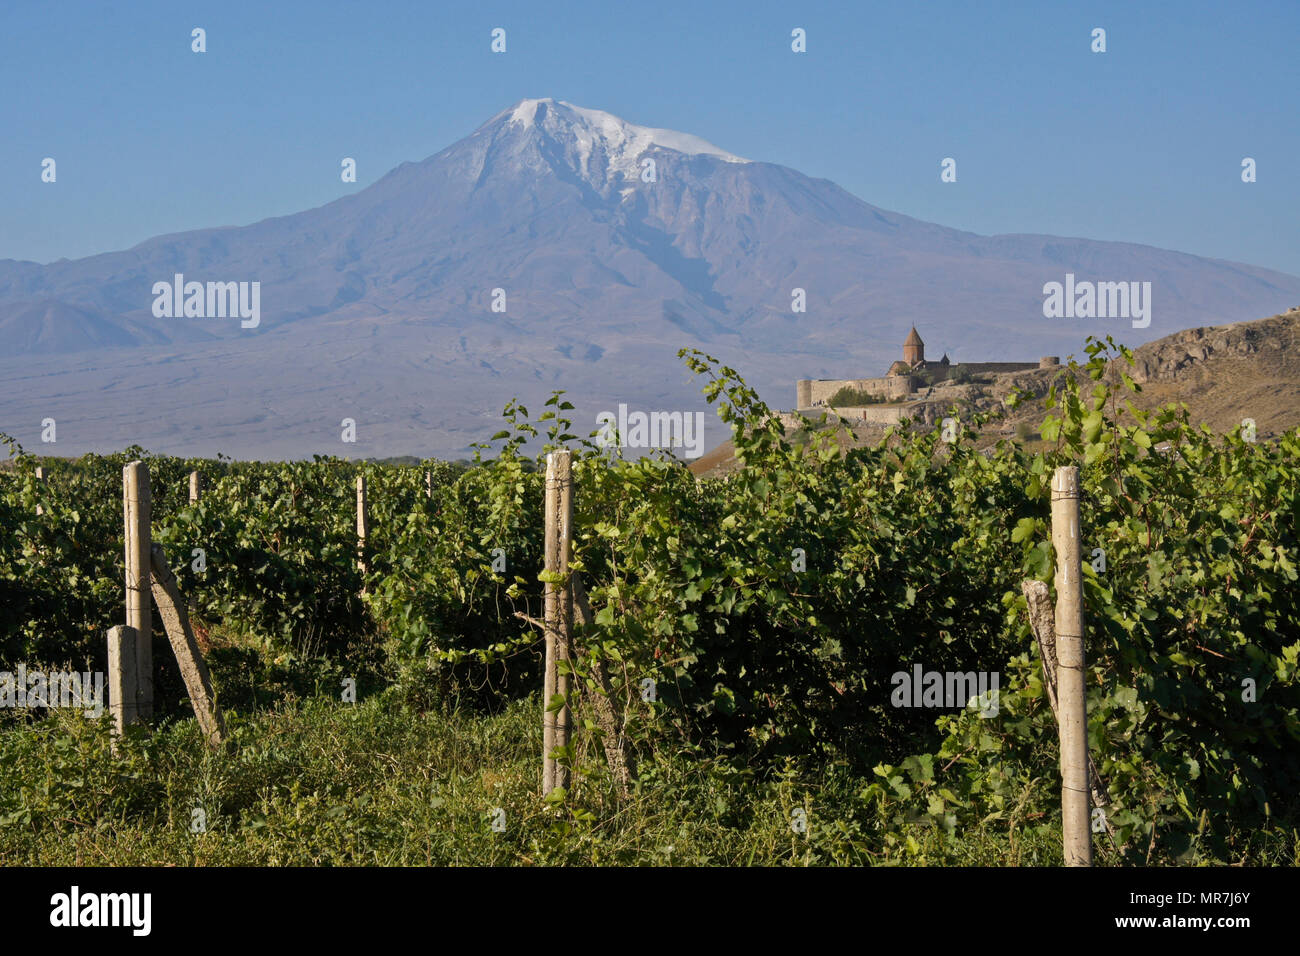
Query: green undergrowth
(314, 781)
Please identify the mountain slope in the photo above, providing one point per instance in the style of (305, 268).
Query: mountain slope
(382, 300)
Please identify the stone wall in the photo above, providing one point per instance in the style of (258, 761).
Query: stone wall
(986, 368)
(875, 414)
(867, 414)
(893, 388)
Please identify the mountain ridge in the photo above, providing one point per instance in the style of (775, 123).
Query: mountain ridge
(603, 277)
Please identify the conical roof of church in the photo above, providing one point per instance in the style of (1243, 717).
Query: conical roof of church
(913, 338)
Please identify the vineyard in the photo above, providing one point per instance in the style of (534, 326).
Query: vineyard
(748, 630)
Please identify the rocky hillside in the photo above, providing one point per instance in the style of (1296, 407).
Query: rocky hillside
(1223, 373)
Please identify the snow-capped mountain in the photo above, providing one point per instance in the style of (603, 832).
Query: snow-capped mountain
(609, 246)
(596, 142)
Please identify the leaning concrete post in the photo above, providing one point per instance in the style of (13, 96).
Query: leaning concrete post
(136, 507)
(1042, 622)
(1070, 689)
(617, 752)
(122, 705)
(194, 671)
(558, 608)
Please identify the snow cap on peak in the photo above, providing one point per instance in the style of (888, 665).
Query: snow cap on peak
(621, 139)
(526, 110)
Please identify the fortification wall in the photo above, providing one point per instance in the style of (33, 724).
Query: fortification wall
(976, 368)
(875, 414)
(865, 414)
(892, 388)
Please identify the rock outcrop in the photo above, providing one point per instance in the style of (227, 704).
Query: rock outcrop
(1175, 355)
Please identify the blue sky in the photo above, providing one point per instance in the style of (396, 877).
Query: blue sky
(1143, 143)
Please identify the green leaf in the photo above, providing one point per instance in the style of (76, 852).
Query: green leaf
(1025, 528)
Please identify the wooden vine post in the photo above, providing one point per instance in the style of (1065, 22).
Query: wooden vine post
(362, 528)
(196, 491)
(558, 608)
(1071, 693)
(136, 508)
